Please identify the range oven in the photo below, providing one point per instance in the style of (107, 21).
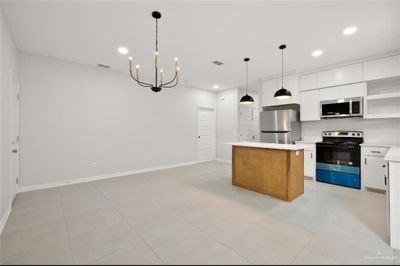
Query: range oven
(342, 108)
(338, 158)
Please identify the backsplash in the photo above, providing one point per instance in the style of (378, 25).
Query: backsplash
(380, 131)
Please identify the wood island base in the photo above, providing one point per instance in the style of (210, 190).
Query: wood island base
(274, 172)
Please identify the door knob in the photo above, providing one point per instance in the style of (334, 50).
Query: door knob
(14, 151)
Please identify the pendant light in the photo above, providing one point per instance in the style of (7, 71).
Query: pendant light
(247, 99)
(282, 93)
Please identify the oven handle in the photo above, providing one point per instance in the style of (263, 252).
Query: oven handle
(338, 146)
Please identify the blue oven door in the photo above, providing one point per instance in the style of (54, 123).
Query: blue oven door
(347, 176)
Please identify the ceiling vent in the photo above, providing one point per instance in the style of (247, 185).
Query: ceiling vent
(218, 63)
(103, 66)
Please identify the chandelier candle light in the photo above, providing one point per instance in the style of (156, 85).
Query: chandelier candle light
(157, 86)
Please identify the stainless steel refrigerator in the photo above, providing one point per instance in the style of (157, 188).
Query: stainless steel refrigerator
(280, 124)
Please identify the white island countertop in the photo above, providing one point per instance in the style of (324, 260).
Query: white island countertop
(274, 146)
(393, 155)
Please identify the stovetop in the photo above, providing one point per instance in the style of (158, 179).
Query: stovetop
(345, 138)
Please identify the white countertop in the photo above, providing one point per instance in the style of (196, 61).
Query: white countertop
(307, 141)
(366, 144)
(274, 146)
(393, 155)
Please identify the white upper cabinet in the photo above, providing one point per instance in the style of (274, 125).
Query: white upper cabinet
(310, 106)
(353, 90)
(339, 76)
(269, 88)
(382, 68)
(332, 93)
(290, 83)
(308, 82)
(345, 91)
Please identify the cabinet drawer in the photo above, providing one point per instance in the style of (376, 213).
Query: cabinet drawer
(375, 151)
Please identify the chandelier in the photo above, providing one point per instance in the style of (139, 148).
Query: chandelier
(159, 84)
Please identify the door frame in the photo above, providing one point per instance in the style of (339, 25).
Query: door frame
(214, 116)
(14, 97)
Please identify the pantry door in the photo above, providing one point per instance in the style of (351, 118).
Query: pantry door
(206, 128)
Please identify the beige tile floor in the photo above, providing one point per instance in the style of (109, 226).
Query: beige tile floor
(193, 215)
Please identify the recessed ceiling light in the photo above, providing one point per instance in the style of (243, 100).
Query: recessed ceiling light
(350, 30)
(317, 53)
(123, 50)
(216, 86)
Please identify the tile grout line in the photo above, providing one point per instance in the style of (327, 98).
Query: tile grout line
(129, 225)
(111, 205)
(320, 229)
(221, 243)
(66, 229)
(154, 252)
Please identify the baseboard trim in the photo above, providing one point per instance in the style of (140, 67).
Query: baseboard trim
(4, 218)
(101, 177)
(223, 160)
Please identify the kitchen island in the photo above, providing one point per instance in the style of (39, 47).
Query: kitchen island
(276, 170)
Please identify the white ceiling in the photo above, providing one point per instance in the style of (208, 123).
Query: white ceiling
(199, 32)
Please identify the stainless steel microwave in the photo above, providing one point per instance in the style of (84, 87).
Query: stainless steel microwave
(351, 107)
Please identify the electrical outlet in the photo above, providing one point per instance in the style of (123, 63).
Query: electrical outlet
(94, 164)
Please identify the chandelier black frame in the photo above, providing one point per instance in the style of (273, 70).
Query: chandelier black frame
(157, 86)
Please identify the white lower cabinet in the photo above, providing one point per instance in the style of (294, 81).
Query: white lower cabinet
(309, 158)
(373, 168)
(309, 163)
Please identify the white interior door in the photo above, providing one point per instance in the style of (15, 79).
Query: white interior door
(13, 135)
(206, 134)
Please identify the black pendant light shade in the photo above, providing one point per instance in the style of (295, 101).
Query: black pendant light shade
(247, 99)
(282, 93)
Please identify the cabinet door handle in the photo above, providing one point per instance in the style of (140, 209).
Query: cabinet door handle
(375, 152)
(385, 180)
(365, 160)
(311, 155)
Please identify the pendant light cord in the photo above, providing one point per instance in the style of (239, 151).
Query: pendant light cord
(282, 68)
(247, 73)
(156, 35)
(156, 77)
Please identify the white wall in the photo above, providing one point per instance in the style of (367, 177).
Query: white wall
(227, 122)
(383, 131)
(249, 128)
(8, 64)
(80, 121)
